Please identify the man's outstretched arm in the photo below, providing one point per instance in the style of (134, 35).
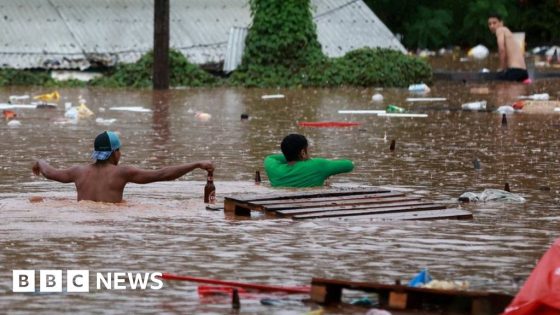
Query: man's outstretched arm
(140, 176)
(63, 176)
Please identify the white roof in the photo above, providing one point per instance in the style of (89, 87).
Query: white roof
(76, 33)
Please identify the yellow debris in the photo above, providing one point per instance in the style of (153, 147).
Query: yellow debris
(53, 96)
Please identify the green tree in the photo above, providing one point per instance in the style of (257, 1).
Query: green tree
(282, 33)
(540, 20)
(428, 28)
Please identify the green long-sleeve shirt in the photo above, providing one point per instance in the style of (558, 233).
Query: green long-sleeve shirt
(308, 173)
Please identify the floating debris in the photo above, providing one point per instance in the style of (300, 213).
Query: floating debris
(361, 111)
(200, 116)
(478, 52)
(403, 115)
(105, 122)
(53, 96)
(426, 99)
(138, 109)
(14, 123)
(272, 96)
(377, 97)
(480, 105)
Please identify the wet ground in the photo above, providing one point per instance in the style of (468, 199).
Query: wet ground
(163, 227)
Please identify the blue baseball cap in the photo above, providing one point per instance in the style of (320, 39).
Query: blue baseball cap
(104, 145)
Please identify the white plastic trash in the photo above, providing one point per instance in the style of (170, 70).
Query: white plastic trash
(492, 195)
(426, 99)
(377, 97)
(14, 123)
(105, 122)
(361, 111)
(422, 87)
(138, 109)
(71, 113)
(480, 105)
(272, 96)
(505, 109)
(537, 97)
(478, 52)
(17, 98)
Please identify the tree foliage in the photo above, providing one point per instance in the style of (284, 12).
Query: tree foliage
(430, 28)
(539, 19)
(139, 74)
(282, 49)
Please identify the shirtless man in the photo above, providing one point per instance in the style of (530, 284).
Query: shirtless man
(512, 62)
(105, 180)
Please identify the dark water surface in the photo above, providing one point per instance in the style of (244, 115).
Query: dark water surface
(164, 227)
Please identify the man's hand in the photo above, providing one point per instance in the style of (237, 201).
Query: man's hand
(206, 165)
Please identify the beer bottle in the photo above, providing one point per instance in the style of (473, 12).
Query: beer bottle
(257, 177)
(210, 189)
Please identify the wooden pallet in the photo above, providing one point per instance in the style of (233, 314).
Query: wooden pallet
(372, 203)
(400, 297)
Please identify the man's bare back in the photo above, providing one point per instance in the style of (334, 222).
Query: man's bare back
(105, 180)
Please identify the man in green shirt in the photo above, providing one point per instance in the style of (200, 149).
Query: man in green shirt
(294, 168)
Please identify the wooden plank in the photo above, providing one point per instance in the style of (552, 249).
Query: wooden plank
(319, 199)
(327, 203)
(404, 297)
(443, 214)
(396, 202)
(376, 211)
(303, 194)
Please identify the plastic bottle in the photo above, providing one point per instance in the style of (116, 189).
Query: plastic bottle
(210, 189)
(481, 105)
(394, 109)
(540, 97)
(418, 87)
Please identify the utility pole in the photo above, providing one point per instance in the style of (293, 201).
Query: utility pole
(161, 45)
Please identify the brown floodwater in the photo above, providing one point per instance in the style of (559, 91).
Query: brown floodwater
(164, 227)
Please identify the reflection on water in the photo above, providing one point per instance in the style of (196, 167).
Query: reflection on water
(164, 226)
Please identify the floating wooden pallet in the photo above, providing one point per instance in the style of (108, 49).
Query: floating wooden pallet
(329, 291)
(374, 203)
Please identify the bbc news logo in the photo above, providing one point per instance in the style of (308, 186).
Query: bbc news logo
(79, 281)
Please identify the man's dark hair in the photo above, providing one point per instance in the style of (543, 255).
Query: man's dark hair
(292, 145)
(495, 15)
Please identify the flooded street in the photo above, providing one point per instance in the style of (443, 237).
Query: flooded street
(164, 227)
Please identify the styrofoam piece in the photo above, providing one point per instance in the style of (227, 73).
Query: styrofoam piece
(272, 96)
(426, 99)
(361, 111)
(402, 115)
(12, 106)
(138, 109)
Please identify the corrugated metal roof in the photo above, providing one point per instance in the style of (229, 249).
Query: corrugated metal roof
(236, 45)
(76, 33)
(342, 27)
(34, 35)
